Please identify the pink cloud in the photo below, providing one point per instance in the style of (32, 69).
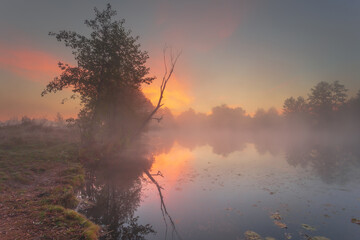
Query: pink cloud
(34, 65)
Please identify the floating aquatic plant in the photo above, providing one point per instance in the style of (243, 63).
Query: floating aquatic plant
(355, 220)
(280, 224)
(308, 227)
(251, 235)
(276, 216)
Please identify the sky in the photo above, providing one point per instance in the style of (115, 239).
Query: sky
(250, 54)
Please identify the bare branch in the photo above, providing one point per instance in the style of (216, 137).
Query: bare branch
(162, 205)
(165, 65)
(158, 174)
(158, 119)
(165, 80)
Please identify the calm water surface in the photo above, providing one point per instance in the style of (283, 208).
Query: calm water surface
(220, 189)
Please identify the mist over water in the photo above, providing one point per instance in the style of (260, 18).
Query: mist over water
(154, 170)
(230, 175)
(226, 174)
(218, 184)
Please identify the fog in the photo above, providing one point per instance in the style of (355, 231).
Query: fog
(321, 133)
(143, 186)
(326, 150)
(152, 150)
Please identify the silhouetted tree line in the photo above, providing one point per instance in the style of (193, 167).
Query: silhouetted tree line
(223, 117)
(326, 108)
(320, 132)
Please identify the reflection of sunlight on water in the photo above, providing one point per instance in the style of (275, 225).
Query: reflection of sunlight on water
(218, 186)
(172, 164)
(212, 196)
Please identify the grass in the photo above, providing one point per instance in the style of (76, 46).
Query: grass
(26, 152)
(72, 220)
(39, 176)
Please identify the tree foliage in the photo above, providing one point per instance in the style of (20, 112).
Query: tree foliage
(109, 73)
(225, 117)
(326, 97)
(294, 106)
(326, 104)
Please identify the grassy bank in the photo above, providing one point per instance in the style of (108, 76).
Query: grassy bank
(39, 175)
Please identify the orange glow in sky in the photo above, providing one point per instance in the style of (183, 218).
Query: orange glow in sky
(31, 64)
(252, 54)
(176, 96)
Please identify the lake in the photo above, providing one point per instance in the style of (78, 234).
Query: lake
(222, 185)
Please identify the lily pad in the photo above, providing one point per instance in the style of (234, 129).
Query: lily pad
(355, 220)
(308, 227)
(276, 216)
(319, 238)
(280, 224)
(251, 235)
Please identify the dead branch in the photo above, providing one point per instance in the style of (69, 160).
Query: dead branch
(162, 205)
(158, 119)
(158, 174)
(165, 79)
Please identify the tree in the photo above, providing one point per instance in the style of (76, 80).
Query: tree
(269, 119)
(294, 106)
(354, 104)
(224, 117)
(339, 94)
(325, 98)
(351, 113)
(108, 77)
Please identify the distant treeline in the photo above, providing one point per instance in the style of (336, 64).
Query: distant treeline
(59, 121)
(327, 107)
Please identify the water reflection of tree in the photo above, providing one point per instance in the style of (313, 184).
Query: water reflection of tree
(114, 196)
(113, 192)
(223, 142)
(333, 163)
(333, 156)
